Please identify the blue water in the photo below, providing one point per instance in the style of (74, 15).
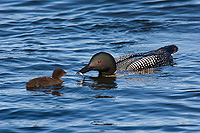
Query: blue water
(37, 36)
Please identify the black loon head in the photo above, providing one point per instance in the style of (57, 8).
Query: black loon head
(102, 62)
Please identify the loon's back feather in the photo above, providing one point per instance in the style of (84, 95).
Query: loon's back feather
(145, 62)
(151, 59)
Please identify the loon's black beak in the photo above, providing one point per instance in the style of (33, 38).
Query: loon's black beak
(85, 69)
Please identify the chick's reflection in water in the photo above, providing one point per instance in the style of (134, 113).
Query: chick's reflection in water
(53, 90)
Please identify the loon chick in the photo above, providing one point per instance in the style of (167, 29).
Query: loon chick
(107, 65)
(47, 81)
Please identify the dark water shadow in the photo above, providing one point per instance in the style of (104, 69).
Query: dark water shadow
(101, 123)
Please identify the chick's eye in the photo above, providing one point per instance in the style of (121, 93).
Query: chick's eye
(99, 61)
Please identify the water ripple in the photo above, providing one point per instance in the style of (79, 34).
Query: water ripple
(38, 36)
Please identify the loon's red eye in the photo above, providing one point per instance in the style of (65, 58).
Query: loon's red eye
(99, 61)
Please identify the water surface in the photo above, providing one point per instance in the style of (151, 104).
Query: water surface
(38, 36)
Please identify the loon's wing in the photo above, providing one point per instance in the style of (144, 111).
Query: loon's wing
(146, 60)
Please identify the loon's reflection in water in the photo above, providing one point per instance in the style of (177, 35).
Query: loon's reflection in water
(106, 83)
(99, 83)
(102, 84)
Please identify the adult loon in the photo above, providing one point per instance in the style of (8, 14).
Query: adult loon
(47, 81)
(107, 65)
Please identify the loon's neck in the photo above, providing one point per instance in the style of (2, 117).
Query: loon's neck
(107, 74)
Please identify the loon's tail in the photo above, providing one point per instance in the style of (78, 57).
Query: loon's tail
(171, 49)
